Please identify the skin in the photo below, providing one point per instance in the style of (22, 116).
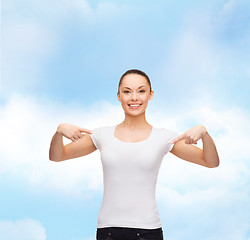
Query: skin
(134, 89)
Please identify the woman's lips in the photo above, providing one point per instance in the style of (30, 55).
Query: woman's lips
(134, 106)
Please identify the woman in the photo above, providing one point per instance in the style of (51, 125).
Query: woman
(131, 155)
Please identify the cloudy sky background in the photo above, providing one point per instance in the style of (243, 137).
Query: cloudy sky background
(61, 62)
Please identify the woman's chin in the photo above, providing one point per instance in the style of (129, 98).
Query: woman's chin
(134, 113)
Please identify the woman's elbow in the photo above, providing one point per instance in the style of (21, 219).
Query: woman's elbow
(213, 164)
(54, 159)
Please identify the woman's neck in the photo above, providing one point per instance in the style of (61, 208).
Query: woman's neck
(135, 122)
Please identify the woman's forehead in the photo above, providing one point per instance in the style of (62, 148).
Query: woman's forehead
(134, 81)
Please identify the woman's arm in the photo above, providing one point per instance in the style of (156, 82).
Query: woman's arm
(209, 151)
(56, 147)
(81, 144)
(184, 149)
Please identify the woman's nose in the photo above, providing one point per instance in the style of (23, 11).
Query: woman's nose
(134, 96)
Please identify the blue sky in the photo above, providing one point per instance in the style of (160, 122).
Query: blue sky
(61, 62)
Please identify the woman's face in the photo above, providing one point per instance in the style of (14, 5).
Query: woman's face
(134, 94)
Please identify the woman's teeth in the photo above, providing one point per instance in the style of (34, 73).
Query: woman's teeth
(135, 106)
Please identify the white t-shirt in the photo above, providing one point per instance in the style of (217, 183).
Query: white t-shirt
(130, 172)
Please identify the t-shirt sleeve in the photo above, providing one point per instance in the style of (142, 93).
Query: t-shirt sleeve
(96, 137)
(169, 136)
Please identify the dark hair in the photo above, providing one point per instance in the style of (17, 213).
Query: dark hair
(136, 71)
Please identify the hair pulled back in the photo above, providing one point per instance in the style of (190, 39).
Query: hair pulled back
(136, 71)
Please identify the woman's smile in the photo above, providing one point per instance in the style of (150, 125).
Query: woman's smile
(134, 94)
(134, 106)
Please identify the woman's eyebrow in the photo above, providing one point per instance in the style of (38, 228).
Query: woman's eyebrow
(138, 87)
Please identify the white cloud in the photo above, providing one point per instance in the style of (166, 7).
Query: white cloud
(233, 6)
(233, 20)
(211, 48)
(28, 38)
(32, 34)
(26, 44)
(103, 12)
(192, 196)
(193, 55)
(27, 126)
(228, 6)
(197, 211)
(60, 10)
(25, 229)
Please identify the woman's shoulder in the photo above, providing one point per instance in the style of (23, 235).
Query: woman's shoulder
(101, 128)
(165, 131)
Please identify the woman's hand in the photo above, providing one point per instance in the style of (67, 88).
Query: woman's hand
(71, 132)
(192, 135)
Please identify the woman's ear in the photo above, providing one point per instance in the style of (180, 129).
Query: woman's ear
(151, 95)
(118, 96)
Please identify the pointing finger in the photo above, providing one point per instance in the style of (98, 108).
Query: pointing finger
(177, 139)
(80, 135)
(85, 130)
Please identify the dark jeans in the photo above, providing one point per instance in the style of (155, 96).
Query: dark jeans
(125, 233)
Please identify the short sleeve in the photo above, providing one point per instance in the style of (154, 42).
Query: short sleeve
(169, 136)
(96, 137)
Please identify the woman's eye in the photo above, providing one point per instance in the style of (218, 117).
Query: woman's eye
(126, 91)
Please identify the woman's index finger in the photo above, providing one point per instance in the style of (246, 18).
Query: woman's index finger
(86, 130)
(177, 139)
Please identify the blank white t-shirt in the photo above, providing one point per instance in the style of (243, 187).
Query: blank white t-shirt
(130, 172)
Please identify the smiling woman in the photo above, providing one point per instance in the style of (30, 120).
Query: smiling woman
(131, 155)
